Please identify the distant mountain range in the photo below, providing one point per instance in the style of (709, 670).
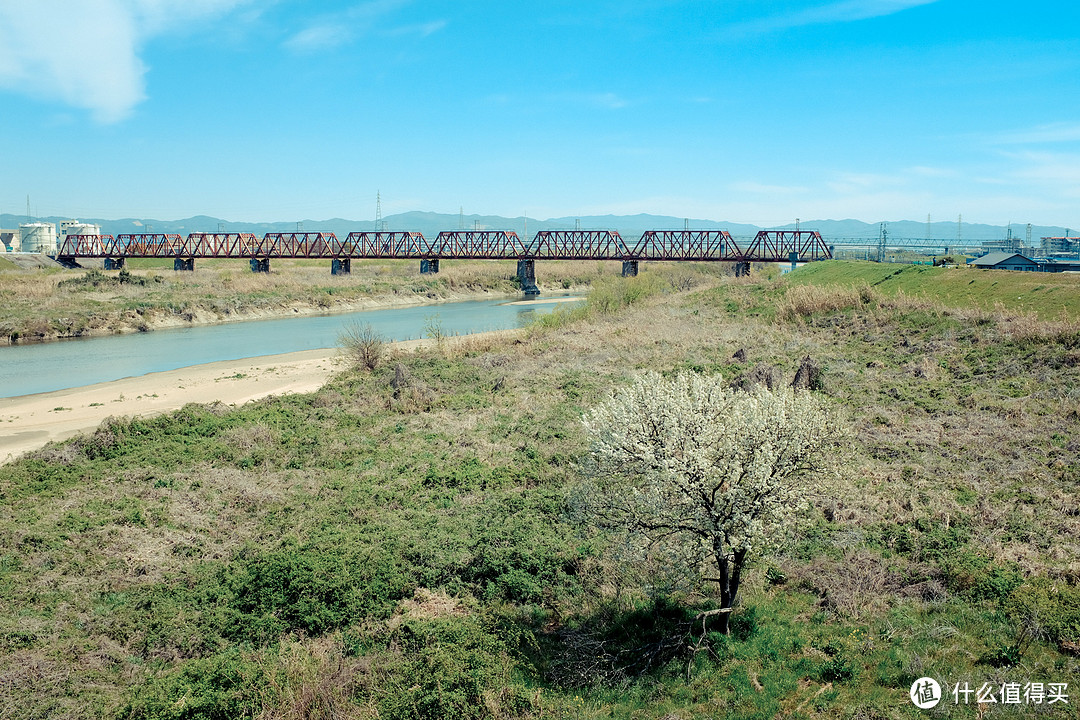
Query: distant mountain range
(630, 226)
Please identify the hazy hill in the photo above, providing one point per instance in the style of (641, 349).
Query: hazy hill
(430, 224)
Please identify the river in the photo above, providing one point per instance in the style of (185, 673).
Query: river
(44, 367)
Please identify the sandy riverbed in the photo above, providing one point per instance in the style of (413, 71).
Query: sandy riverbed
(28, 422)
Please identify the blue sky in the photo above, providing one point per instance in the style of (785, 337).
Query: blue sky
(758, 112)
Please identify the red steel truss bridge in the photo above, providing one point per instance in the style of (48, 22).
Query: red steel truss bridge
(653, 245)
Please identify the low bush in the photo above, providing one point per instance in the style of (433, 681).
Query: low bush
(363, 344)
(453, 668)
(1047, 609)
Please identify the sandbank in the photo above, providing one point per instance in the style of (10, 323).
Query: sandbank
(29, 422)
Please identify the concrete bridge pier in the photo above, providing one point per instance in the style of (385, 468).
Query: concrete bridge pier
(742, 269)
(794, 258)
(185, 264)
(341, 266)
(629, 268)
(114, 263)
(526, 274)
(260, 265)
(429, 266)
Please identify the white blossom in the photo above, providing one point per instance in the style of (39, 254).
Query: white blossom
(707, 474)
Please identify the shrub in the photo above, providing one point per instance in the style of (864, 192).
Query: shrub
(1047, 609)
(220, 687)
(363, 344)
(453, 668)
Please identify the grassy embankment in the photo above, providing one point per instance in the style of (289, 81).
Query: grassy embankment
(397, 544)
(52, 303)
(1050, 296)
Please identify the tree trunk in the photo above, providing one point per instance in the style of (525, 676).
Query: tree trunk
(729, 579)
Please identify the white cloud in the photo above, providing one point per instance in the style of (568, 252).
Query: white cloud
(1058, 132)
(834, 12)
(923, 171)
(752, 187)
(85, 53)
(339, 28)
(421, 29)
(608, 100)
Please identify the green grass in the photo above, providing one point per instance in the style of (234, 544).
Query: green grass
(1048, 295)
(398, 544)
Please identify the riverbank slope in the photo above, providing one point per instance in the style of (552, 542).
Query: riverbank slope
(50, 304)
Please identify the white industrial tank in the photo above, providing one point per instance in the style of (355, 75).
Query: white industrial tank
(69, 229)
(38, 237)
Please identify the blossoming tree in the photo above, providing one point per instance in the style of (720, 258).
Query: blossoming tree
(707, 473)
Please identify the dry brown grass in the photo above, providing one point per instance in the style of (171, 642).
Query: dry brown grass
(805, 300)
(312, 679)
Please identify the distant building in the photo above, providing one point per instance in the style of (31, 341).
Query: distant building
(1058, 265)
(1063, 245)
(1005, 261)
(1017, 261)
(74, 227)
(10, 240)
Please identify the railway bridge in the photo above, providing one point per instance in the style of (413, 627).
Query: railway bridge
(653, 245)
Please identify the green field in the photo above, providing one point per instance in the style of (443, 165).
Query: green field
(1048, 295)
(401, 544)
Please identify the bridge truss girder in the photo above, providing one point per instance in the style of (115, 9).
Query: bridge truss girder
(578, 245)
(384, 244)
(683, 245)
(478, 245)
(690, 245)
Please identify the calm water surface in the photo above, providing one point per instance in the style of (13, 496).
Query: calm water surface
(26, 369)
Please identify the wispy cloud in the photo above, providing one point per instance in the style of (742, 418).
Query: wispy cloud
(1058, 132)
(751, 187)
(822, 14)
(1060, 171)
(340, 28)
(603, 100)
(420, 29)
(924, 171)
(105, 77)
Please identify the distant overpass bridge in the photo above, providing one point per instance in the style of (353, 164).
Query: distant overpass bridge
(653, 245)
